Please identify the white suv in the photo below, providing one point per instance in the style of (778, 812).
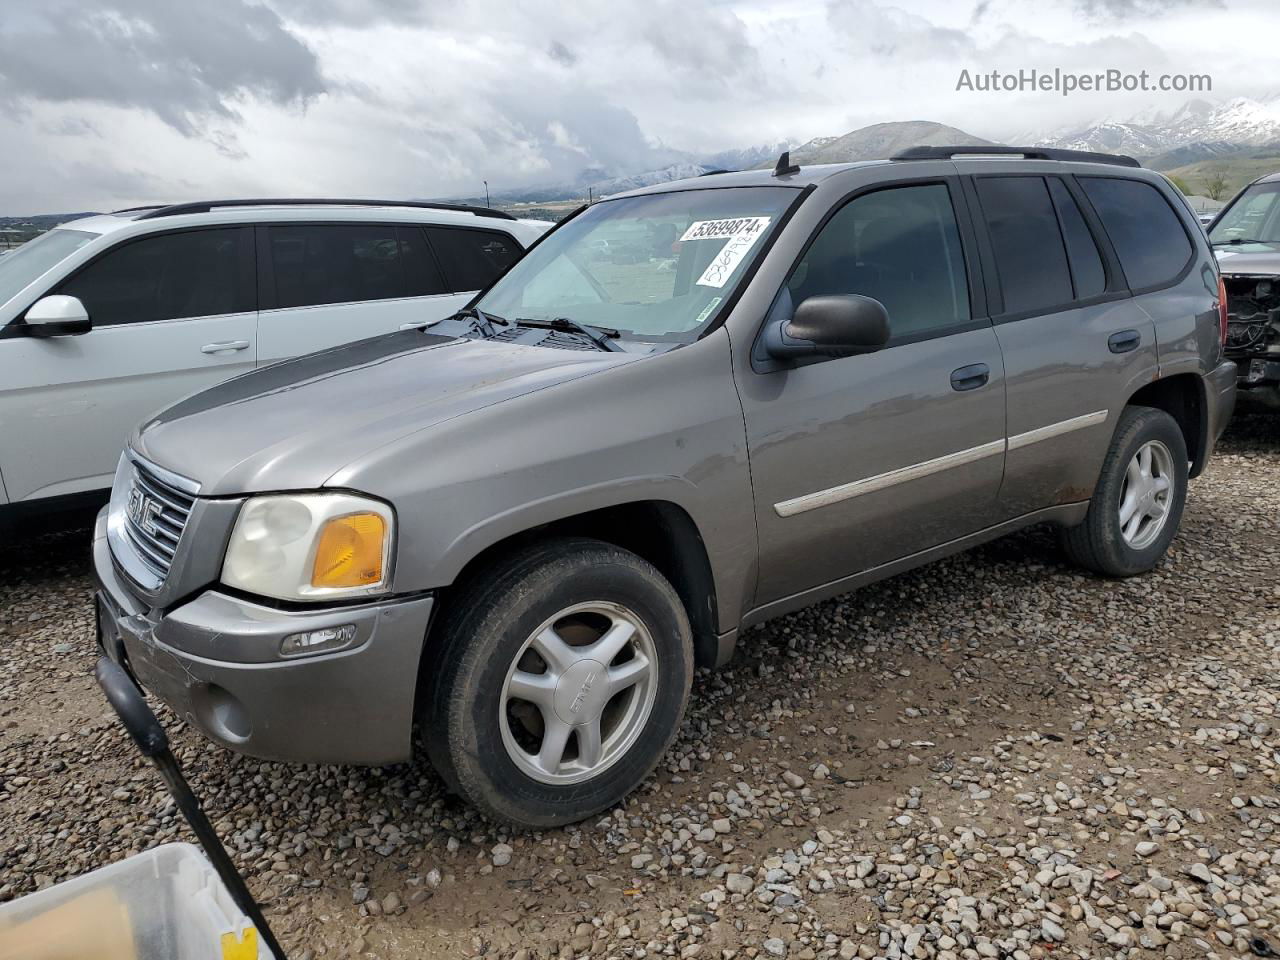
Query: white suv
(107, 319)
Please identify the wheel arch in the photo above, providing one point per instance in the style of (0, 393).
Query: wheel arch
(659, 531)
(1182, 396)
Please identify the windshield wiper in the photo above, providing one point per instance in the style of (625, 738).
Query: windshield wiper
(1238, 240)
(602, 337)
(481, 322)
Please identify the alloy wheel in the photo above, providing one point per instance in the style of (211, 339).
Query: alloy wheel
(1146, 495)
(578, 693)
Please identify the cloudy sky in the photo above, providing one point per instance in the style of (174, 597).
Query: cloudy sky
(113, 102)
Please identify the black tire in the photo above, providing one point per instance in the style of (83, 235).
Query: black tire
(1098, 544)
(485, 627)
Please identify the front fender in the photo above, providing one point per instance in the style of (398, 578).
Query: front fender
(490, 531)
(666, 428)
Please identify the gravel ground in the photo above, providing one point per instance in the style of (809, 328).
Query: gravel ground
(995, 756)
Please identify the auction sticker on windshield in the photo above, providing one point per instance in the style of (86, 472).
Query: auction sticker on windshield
(740, 235)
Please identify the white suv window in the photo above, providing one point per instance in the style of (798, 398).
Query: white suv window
(472, 259)
(196, 273)
(325, 263)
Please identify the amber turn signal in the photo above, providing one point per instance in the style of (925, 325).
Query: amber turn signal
(350, 552)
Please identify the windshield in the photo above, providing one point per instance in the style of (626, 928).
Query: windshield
(1254, 215)
(653, 267)
(33, 258)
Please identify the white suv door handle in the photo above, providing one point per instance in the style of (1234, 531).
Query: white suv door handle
(225, 346)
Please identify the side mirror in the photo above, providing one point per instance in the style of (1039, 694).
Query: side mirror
(830, 326)
(57, 316)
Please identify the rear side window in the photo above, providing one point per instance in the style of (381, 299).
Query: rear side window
(472, 259)
(1087, 274)
(1148, 237)
(1030, 257)
(324, 263)
(900, 246)
(200, 273)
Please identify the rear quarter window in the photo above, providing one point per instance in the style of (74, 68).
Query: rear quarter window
(1147, 234)
(1031, 260)
(472, 259)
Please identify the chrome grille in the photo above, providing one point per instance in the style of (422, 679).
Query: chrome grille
(154, 516)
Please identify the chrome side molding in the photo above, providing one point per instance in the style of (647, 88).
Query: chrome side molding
(1021, 440)
(847, 491)
(882, 481)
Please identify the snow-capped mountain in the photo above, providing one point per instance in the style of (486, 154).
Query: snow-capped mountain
(1214, 128)
(1109, 136)
(746, 158)
(647, 178)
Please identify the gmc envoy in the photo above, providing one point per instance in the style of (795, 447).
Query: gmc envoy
(685, 410)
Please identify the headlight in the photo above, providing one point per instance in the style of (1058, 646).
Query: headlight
(311, 546)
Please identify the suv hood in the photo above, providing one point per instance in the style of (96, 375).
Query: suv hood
(292, 425)
(1250, 258)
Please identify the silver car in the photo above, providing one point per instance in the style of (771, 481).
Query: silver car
(1246, 237)
(106, 319)
(687, 410)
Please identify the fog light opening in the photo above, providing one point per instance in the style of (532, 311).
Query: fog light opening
(225, 715)
(317, 641)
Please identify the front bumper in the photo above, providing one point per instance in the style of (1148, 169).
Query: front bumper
(215, 660)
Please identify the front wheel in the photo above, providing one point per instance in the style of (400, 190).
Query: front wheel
(561, 682)
(1137, 505)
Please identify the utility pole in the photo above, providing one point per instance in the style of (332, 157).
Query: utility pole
(486, 193)
(590, 198)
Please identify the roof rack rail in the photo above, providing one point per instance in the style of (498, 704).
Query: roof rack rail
(1026, 153)
(204, 206)
(145, 206)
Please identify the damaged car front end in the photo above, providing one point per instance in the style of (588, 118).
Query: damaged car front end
(1246, 238)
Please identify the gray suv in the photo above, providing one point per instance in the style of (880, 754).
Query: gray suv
(686, 410)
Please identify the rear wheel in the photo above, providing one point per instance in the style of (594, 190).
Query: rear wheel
(563, 677)
(1137, 504)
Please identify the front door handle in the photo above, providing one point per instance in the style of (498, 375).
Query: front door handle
(972, 377)
(1124, 341)
(226, 346)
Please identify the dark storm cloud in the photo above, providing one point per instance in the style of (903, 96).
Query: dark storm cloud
(186, 63)
(561, 54)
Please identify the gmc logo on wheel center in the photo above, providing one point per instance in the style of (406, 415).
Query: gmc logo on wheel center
(143, 511)
(582, 692)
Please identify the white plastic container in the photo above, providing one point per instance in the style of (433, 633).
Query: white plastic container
(165, 904)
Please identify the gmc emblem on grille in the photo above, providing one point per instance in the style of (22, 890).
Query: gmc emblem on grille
(144, 511)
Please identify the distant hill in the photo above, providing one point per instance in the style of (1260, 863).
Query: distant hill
(877, 141)
(1239, 169)
(881, 140)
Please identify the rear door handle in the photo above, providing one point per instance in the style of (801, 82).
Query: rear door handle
(1124, 341)
(226, 346)
(972, 377)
